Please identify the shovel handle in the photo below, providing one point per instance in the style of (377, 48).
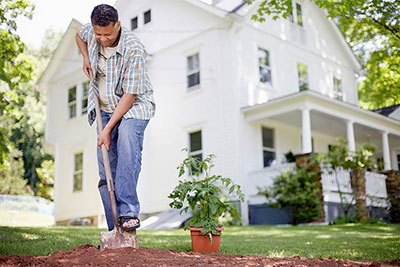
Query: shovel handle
(107, 166)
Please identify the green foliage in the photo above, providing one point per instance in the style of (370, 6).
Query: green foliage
(46, 179)
(273, 8)
(339, 156)
(203, 194)
(344, 220)
(297, 190)
(10, 176)
(381, 87)
(22, 106)
(372, 29)
(14, 69)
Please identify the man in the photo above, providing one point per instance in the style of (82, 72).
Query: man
(115, 62)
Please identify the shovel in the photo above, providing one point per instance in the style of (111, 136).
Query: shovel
(115, 238)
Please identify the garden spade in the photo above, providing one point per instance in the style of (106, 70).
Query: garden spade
(115, 238)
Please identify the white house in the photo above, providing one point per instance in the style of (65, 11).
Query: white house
(245, 91)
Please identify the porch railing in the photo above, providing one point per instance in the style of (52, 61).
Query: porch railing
(339, 181)
(333, 183)
(265, 177)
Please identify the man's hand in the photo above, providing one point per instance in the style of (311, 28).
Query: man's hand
(104, 138)
(87, 69)
(82, 45)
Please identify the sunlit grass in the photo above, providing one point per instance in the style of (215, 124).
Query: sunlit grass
(355, 242)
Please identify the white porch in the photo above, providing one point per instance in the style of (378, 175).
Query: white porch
(314, 113)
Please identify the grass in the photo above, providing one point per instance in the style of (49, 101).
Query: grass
(354, 242)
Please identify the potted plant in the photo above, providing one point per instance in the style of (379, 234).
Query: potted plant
(204, 195)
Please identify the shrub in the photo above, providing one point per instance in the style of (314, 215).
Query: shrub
(297, 190)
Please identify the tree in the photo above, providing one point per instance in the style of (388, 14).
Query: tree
(357, 162)
(15, 69)
(46, 179)
(10, 176)
(28, 131)
(372, 29)
(22, 106)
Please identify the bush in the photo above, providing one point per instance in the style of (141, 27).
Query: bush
(297, 190)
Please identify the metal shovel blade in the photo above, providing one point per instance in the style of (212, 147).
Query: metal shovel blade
(118, 239)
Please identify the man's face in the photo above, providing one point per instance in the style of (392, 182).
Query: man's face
(107, 35)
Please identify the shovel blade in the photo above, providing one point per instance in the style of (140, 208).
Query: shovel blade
(116, 239)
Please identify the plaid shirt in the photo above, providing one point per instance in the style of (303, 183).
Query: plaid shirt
(126, 72)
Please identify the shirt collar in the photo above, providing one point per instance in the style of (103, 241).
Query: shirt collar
(121, 43)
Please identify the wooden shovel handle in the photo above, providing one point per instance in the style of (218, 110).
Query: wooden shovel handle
(107, 166)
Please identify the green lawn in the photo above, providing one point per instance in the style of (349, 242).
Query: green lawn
(355, 242)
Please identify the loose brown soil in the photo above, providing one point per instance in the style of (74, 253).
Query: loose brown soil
(91, 256)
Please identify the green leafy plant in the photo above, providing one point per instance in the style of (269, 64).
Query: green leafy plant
(297, 190)
(204, 195)
(339, 156)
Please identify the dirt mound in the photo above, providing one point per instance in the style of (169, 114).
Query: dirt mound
(91, 256)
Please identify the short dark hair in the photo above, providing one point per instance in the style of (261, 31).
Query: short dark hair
(103, 15)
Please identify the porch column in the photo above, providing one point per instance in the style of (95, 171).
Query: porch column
(306, 131)
(350, 136)
(385, 150)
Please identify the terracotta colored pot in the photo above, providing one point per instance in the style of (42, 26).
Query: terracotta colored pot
(202, 244)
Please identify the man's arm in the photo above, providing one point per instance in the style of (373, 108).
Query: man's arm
(125, 104)
(82, 45)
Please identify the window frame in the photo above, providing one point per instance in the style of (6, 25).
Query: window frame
(72, 103)
(77, 172)
(144, 16)
(295, 15)
(85, 97)
(299, 22)
(263, 66)
(190, 72)
(137, 23)
(301, 82)
(268, 149)
(195, 153)
(338, 88)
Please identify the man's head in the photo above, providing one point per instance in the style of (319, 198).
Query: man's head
(105, 24)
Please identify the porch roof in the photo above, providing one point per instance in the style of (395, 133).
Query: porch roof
(287, 109)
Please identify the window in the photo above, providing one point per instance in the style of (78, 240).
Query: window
(147, 16)
(268, 146)
(337, 88)
(78, 172)
(85, 92)
(264, 66)
(195, 148)
(134, 23)
(72, 102)
(297, 15)
(193, 70)
(303, 76)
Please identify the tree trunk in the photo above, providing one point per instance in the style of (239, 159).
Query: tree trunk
(357, 177)
(393, 194)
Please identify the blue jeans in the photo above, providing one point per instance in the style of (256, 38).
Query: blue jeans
(126, 161)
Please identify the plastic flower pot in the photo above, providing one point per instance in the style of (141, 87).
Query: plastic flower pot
(201, 242)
